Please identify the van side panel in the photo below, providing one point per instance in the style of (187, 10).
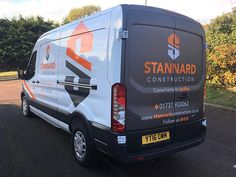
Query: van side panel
(44, 82)
(83, 85)
(115, 46)
(47, 64)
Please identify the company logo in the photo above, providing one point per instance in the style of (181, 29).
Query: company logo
(46, 65)
(173, 46)
(48, 51)
(157, 70)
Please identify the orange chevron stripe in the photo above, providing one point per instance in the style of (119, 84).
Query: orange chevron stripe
(86, 36)
(28, 90)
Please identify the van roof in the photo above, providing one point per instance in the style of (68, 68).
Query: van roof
(128, 7)
(78, 20)
(125, 8)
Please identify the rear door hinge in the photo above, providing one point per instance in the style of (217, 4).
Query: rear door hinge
(123, 34)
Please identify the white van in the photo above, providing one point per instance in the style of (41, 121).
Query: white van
(128, 81)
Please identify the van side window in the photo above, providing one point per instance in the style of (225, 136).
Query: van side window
(31, 66)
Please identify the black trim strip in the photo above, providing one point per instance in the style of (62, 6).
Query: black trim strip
(46, 109)
(51, 111)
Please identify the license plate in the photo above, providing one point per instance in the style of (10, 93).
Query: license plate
(155, 138)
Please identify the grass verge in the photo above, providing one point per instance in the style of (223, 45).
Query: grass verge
(8, 74)
(225, 97)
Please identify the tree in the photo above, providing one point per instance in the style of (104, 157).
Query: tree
(221, 55)
(17, 39)
(76, 13)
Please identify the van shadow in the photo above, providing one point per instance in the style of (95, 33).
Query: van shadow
(32, 147)
(166, 166)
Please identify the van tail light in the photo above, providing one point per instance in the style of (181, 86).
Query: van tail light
(118, 108)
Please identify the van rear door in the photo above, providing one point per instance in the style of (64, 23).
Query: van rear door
(189, 78)
(150, 86)
(163, 71)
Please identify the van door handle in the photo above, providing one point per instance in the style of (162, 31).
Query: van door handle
(33, 81)
(183, 96)
(37, 82)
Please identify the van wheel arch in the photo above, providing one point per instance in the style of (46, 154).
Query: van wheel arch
(79, 127)
(22, 95)
(81, 119)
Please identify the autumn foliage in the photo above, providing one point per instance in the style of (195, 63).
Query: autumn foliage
(221, 53)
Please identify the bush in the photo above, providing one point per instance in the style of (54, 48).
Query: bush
(221, 65)
(17, 39)
(221, 55)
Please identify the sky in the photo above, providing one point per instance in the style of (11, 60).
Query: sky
(200, 10)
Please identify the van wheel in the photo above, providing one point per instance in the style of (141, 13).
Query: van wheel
(83, 149)
(25, 107)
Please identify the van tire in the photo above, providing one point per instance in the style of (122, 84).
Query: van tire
(25, 107)
(86, 152)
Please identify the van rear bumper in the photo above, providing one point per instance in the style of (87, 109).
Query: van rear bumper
(155, 153)
(131, 152)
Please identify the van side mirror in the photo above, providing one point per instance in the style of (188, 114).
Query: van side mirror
(20, 73)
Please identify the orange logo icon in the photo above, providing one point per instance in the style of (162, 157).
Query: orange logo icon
(48, 51)
(86, 38)
(173, 46)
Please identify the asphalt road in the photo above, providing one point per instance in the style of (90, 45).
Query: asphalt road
(32, 147)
